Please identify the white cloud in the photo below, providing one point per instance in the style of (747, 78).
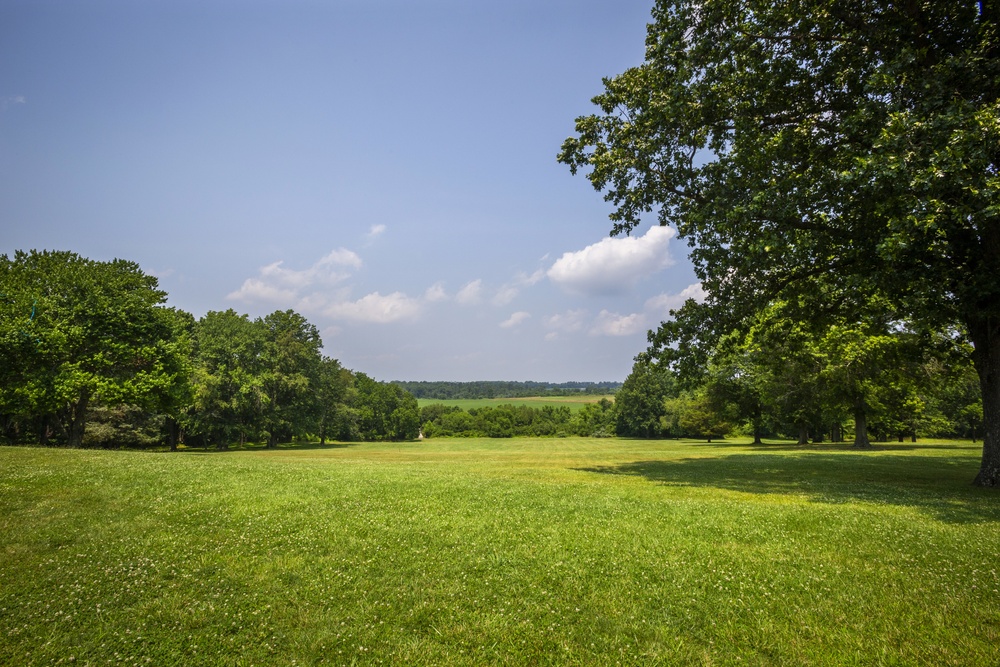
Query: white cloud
(568, 322)
(662, 304)
(515, 319)
(613, 324)
(376, 308)
(613, 264)
(254, 289)
(471, 294)
(509, 292)
(276, 283)
(165, 273)
(505, 295)
(435, 293)
(375, 231)
(526, 280)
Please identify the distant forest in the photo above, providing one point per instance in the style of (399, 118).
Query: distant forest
(501, 389)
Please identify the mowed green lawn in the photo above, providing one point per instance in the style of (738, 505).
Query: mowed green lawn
(574, 403)
(500, 552)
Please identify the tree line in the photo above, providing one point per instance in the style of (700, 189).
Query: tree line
(783, 377)
(89, 354)
(443, 390)
(507, 421)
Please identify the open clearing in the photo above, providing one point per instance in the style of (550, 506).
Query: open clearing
(574, 403)
(518, 552)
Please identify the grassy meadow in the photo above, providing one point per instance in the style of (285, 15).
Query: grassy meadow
(500, 552)
(574, 403)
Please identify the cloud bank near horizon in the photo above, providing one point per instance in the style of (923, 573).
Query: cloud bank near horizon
(612, 266)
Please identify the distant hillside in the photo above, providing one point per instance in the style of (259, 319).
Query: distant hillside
(500, 389)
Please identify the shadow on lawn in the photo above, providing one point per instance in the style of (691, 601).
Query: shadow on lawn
(284, 447)
(834, 446)
(939, 485)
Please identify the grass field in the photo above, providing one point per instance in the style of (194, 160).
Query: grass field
(500, 552)
(574, 403)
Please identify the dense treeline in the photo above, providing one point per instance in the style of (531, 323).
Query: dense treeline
(89, 355)
(502, 389)
(507, 421)
(809, 380)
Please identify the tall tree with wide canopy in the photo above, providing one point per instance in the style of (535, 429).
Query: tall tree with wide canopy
(852, 143)
(73, 330)
(291, 363)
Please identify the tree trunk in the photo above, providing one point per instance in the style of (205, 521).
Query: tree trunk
(861, 427)
(985, 335)
(43, 432)
(173, 433)
(756, 425)
(76, 419)
(803, 435)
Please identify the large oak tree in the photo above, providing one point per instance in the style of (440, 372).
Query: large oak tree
(818, 151)
(73, 330)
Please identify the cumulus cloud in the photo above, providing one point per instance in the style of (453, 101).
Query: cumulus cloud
(613, 264)
(526, 280)
(515, 319)
(505, 295)
(255, 290)
(376, 308)
(161, 273)
(613, 324)
(274, 282)
(435, 293)
(471, 294)
(509, 292)
(569, 322)
(662, 304)
(564, 323)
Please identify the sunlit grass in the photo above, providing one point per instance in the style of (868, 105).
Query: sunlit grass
(523, 551)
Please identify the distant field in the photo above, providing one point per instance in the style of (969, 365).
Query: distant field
(574, 403)
(556, 551)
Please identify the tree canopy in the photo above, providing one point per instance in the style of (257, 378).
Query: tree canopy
(817, 152)
(75, 330)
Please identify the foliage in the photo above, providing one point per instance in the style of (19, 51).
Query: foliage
(442, 390)
(692, 415)
(640, 403)
(506, 420)
(818, 153)
(385, 411)
(74, 330)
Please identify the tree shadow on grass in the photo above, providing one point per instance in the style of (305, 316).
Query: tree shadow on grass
(938, 485)
(786, 446)
(285, 447)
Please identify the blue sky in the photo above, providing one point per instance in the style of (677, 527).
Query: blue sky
(384, 167)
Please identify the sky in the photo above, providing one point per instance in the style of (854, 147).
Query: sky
(386, 168)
